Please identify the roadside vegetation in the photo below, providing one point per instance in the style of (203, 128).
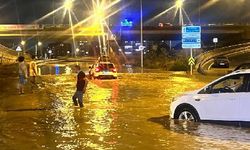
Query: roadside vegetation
(159, 56)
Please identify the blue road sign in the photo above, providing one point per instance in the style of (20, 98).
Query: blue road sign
(191, 37)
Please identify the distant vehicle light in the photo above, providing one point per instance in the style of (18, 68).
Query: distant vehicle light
(114, 70)
(128, 53)
(97, 69)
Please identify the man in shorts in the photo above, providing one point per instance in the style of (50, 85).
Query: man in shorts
(23, 73)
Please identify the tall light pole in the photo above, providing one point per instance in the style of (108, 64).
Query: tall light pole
(68, 5)
(53, 5)
(23, 46)
(142, 49)
(38, 46)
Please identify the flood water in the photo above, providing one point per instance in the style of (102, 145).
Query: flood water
(131, 112)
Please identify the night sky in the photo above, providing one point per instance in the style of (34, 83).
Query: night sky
(224, 11)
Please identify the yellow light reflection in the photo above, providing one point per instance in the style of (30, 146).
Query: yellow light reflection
(92, 30)
(68, 70)
(64, 121)
(102, 112)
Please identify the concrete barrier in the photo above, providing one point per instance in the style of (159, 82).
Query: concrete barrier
(9, 56)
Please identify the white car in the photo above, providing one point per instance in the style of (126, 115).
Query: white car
(225, 99)
(103, 70)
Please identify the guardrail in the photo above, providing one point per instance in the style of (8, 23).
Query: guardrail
(207, 57)
(7, 56)
(6, 60)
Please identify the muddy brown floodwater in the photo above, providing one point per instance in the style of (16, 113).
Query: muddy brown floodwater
(131, 112)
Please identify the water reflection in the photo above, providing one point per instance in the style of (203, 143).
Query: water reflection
(87, 127)
(63, 121)
(62, 68)
(57, 69)
(102, 112)
(68, 70)
(207, 133)
(115, 116)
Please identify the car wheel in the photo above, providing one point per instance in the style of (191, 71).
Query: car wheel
(187, 114)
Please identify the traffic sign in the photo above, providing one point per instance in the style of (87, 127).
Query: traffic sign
(191, 61)
(141, 48)
(18, 49)
(215, 40)
(191, 37)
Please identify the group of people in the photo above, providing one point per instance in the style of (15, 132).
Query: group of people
(30, 71)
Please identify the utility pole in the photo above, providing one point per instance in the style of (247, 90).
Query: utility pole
(142, 49)
(53, 13)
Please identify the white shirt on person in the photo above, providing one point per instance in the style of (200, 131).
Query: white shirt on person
(22, 70)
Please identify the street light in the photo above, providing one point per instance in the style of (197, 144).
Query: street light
(23, 43)
(68, 4)
(99, 21)
(23, 46)
(77, 50)
(50, 53)
(179, 3)
(39, 43)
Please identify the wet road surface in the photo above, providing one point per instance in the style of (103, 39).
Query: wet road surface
(128, 113)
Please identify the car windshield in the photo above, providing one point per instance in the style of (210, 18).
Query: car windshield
(232, 83)
(222, 58)
(236, 83)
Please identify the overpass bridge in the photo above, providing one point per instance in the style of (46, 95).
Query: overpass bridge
(44, 31)
(174, 32)
(122, 33)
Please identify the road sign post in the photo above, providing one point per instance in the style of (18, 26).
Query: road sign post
(19, 49)
(215, 41)
(191, 38)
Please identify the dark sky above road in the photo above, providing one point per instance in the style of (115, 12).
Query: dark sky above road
(203, 11)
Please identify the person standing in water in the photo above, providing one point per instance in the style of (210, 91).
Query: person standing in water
(81, 86)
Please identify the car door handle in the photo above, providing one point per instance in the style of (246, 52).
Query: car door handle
(197, 99)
